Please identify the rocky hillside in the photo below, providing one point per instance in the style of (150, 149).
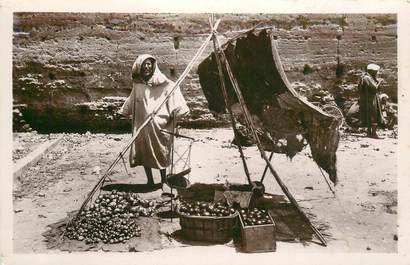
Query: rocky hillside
(71, 71)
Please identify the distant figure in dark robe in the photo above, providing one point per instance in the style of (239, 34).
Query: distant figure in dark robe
(369, 101)
(152, 147)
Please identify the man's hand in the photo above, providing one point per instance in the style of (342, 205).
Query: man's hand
(380, 81)
(176, 110)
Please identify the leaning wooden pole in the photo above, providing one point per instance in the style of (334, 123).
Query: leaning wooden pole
(235, 130)
(148, 119)
(248, 118)
(266, 168)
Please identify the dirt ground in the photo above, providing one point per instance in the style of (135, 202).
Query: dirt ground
(361, 218)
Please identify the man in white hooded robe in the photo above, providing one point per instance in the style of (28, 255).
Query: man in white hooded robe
(152, 148)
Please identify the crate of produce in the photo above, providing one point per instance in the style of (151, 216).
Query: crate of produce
(257, 231)
(207, 222)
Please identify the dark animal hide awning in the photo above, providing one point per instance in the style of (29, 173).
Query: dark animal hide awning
(285, 121)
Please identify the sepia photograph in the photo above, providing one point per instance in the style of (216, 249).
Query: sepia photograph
(171, 133)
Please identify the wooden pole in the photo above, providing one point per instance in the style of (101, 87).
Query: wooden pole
(222, 81)
(266, 168)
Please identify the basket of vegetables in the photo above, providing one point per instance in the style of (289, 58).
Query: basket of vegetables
(257, 230)
(206, 221)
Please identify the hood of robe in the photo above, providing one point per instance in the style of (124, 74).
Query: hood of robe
(157, 77)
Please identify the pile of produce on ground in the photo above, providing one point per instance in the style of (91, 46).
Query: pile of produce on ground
(199, 208)
(111, 218)
(255, 216)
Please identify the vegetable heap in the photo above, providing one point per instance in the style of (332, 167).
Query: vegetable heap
(111, 218)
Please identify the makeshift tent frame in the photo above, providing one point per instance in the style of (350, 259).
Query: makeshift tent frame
(222, 61)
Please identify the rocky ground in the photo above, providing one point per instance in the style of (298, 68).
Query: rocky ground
(24, 143)
(362, 217)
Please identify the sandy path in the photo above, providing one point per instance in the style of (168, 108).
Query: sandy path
(361, 218)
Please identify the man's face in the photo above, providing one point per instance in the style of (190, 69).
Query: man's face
(373, 73)
(147, 69)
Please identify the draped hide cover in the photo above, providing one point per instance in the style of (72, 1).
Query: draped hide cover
(285, 121)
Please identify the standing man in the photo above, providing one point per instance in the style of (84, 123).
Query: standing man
(369, 102)
(152, 148)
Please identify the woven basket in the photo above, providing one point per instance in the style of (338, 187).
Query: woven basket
(208, 228)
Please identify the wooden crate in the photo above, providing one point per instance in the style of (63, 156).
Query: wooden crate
(208, 229)
(258, 238)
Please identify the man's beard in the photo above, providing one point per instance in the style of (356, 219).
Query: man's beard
(147, 77)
